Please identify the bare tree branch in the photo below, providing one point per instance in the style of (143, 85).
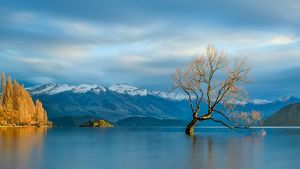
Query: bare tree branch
(219, 121)
(210, 78)
(219, 112)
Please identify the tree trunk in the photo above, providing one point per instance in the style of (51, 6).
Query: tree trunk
(190, 127)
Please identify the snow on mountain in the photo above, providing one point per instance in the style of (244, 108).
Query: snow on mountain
(98, 89)
(260, 101)
(83, 88)
(52, 89)
(134, 91)
(290, 98)
(253, 101)
(239, 102)
(171, 95)
(59, 88)
(130, 90)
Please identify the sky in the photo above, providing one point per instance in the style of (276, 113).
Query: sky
(142, 42)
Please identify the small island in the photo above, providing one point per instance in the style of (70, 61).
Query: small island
(17, 107)
(97, 123)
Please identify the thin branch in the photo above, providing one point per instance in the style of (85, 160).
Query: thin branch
(219, 112)
(230, 127)
(219, 121)
(190, 100)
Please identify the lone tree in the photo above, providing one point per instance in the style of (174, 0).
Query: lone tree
(211, 81)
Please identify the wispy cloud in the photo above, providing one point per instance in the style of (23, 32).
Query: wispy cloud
(142, 42)
(285, 39)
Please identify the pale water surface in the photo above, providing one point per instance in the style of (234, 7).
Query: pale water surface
(149, 148)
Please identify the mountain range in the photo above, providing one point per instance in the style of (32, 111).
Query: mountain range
(123, 101)
(113, 103)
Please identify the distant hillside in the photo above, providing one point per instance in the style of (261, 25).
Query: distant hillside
(267, 108)
(149, 121)
(287, 116)
(123, 101)
(108, 104)
(72, 121)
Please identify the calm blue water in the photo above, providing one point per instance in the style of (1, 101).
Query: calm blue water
(147, 148)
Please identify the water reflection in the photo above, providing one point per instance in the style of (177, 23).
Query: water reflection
(229, 152)
(201, 145)
(18, 146)
(80, 148)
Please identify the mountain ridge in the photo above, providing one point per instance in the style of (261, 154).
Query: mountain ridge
(124, 88)
(287, 116)
(123, 101)
(53, 89)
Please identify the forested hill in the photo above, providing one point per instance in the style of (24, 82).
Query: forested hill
(17, 107)
(287, 116)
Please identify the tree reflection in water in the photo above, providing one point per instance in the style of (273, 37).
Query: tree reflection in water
(21, 147)
(229, 152)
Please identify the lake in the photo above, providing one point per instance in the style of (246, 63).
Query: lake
(147, 148)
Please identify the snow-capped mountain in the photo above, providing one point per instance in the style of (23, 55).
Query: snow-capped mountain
(130, 90)
(134, 91)
(53, 89)
(113, 103)
(253, 101)
(170, 95)
(288, 99)
(260, 101)
(122, 100)
(84, 88)
(44, 89)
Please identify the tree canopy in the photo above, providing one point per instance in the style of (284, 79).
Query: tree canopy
(17, 107)
(213, 80)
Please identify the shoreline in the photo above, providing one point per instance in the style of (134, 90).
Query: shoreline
(25, 126)
(198, 127)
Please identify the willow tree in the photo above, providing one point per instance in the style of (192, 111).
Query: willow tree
(18, 108)
(212, 81)
(2, 87)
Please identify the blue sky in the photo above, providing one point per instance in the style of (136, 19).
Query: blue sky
(142, 42)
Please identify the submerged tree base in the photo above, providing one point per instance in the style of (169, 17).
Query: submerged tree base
(190, 127)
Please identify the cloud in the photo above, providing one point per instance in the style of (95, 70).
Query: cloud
(284, 39)
(276, 83)
(41, 80)
(142, 42)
